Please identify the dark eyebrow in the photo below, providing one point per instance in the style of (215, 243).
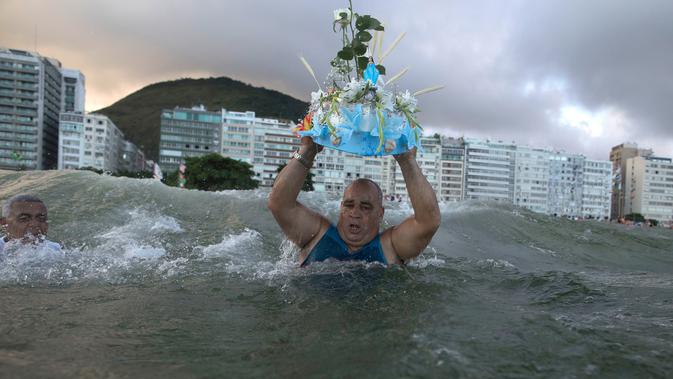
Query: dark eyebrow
(30, 215)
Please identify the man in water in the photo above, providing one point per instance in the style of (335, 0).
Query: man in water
(24, 220)
(356, 235)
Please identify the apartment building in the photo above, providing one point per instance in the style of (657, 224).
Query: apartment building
(649, 188)
(188, 132)
(91, 140)
(618, 156)
(30, 103)
(489, 170)
(596, 189)
(452, 166)
(531, 178)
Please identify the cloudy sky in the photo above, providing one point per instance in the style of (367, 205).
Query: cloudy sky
(570, 74)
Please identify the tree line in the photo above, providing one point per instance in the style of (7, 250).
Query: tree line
(211, 172)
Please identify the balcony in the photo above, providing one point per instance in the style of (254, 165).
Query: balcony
(16, 94)
(32, 87)
(14, 102)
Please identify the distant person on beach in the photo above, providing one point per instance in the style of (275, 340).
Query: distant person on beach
(24, 220)
(356, 235)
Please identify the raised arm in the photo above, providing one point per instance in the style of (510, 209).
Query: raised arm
(299, 223)
(415, 233)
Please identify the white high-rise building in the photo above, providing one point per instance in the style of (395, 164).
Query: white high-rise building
(596, 189)
(74, 91)
(566, 175)
(90, 140)
(30, 103)
(489, 170)
(618, 156)
(264, 143)
(531, 178)
(188, 132)
(649, 188)
(452, 175)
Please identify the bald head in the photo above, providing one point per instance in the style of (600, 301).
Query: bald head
(368, 183)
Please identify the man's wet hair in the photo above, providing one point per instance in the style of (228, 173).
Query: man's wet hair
(21, 198)
(366, 180)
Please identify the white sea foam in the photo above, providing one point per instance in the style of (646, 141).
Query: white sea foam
(494, 263)
(543, 250)
(427, 259)
(234, 245)
(136, 246)
(143, 223)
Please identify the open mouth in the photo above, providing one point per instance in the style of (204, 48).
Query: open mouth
(354, 228)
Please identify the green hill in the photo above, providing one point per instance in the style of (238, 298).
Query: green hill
(137, 115)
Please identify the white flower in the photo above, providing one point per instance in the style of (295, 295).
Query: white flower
(387, 100)
(337, 15)
(406, 100)
(352, 90)
(335, 119)
(316, 96)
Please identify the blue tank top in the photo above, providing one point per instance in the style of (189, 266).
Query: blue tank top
(332, 246)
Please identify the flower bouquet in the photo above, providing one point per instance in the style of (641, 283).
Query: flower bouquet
(359, 112)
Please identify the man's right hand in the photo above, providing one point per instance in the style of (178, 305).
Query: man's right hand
(308, 146)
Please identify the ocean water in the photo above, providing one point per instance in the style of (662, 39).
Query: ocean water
(158, 282)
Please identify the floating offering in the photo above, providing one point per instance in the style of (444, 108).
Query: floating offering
(359, 112)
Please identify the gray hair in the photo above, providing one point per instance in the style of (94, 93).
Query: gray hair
(21, 198)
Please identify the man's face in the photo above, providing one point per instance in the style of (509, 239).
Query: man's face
(26, 221)
(360, 214)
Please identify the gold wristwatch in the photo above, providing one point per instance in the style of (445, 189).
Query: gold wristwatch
(304, 162)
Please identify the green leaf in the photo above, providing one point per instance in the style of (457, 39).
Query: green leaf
(363, 36)
(362, 62)
(363, 22)
(374, 24)
(346, 54)
(358, 47)
(382, 70)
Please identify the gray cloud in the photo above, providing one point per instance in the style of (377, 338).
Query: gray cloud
(576, 75)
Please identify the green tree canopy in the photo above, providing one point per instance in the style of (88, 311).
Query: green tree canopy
(214, 172)
(135, 174)
(635, 217)
(308, 182)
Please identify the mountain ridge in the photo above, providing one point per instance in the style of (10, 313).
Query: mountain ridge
(137, 115)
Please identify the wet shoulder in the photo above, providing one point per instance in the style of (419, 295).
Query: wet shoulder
(387, 247)
(324, 227)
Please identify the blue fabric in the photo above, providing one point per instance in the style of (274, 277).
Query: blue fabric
(332, 246)
(359, 132)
